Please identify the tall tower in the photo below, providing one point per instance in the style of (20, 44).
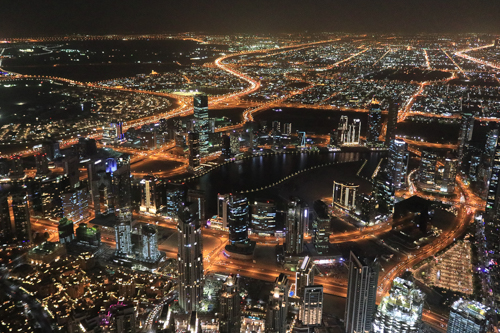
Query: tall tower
(229, 299)
(427, 169)
(392, 122)
(304, 276)
(201, 125)
(374, 124)
(398, 163)
(121, 188)
(278, 306)
(297, 222)
(190, 259)
(238, 215)
(19, 214)
(361, 295)
(401, 311)
(322, 222)
(311, 309)
(149, 243)
(194, 149)
(468, 317)
(465, 132)
(149, 198)
(123, 238)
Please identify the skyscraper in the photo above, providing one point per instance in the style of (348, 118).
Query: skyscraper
(176, 195)
(75, 204)
(201, 125)
(149, 243)
(123, 238)
(229, 300)
(427, 170)
(194, 150)
(398, 163)
(149, 195)
(344, 195)
(238, 214)
(19, 217)
(322, 222)
(384, 192)
(297, 221)
(448, 175)
(465, 132)
(401, 311)
(374, 125)
(263, 217)
(392, 122)
(66, 231)
(304, 276)
(311, 308)
(189, 258)
(277, 309)
(361, 295)
(42, 164)
(468, 317)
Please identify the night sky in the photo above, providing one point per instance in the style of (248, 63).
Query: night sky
(49, 17)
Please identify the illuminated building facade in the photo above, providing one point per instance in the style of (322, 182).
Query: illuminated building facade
(344, 195)
(361, 295)
(176, 195)
(468, 317)
(465, 132)
(427, 170)
(374, 125)
(229, 300)
(201, 123)
(75, 205)
(149, 196)
(194, 150)
(448, 175)
(123, 238)
(113, 133)
(66, 231)
(349, 133)
(311, 308)
(297, 222)
(189, 259)
(263, 217)
(401, 311)
(322, 227)
(277, 309)
(304, 276)
(238, 214)
(398, 163)
(149, 243)
(392, 122)
(19, 215)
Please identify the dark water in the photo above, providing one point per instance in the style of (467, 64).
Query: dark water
(101, 60)
(256, 172)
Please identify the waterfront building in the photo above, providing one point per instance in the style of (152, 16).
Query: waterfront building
(201, 123)
(361, 294)
(374, 125)
(194, 150)
(297, 222)
(238, 214)
(322, 224)
(263, 217)
(344, 195)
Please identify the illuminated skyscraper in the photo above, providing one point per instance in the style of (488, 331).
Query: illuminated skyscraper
(229, 300)
(176, 195)
(374, 125)
(66, 231)
(468, 317)
(465, 132)
(322, 222)
(361, 295)
(311, 307)
(19, 215)
(201, 125)
(238, 215)
(123, 238)
(75, 205)
(448, 175)
(277, 309)
(304, 276)
(427, 170)
(401, 311)
(297, 222)
(392, 122)
(194, 150)
(149, 195)
(398, 163)
(149, 243)
(190, 259)
(42, 164)
(344, 195)
(263, 217)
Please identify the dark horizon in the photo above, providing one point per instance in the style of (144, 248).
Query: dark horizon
(26, 18)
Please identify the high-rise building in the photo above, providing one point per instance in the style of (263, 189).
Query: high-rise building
(361, 295)
(19, 214)
(124, 318)
(297, 223)
(343, 128)
(311, 307)
(16, 167)
(287, 128)
(398, 163)
(401, 311)
(468, 317)
(263, 217)
(75, 204)
(448, 174)
(189, 258)
(88, 236)
(465, 132)
(149, 195)
(277, 309)
(276, 126)
(238, 214)
(222, 213)
(201, 125)
(374, 124)
(322, 222)
(234, 142)
(304, 276)
(66, 230)
(71, 170)
(113, 133)
(226, 146)
(392, 122)
(176, 195)
(198, 197)
(344, 195)
(149, 243)
(121, 188)
(42, 164)
(384, 192)
(229, 300)
(123, 238)
(349, 133)
(194, 150)
(427, 169)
